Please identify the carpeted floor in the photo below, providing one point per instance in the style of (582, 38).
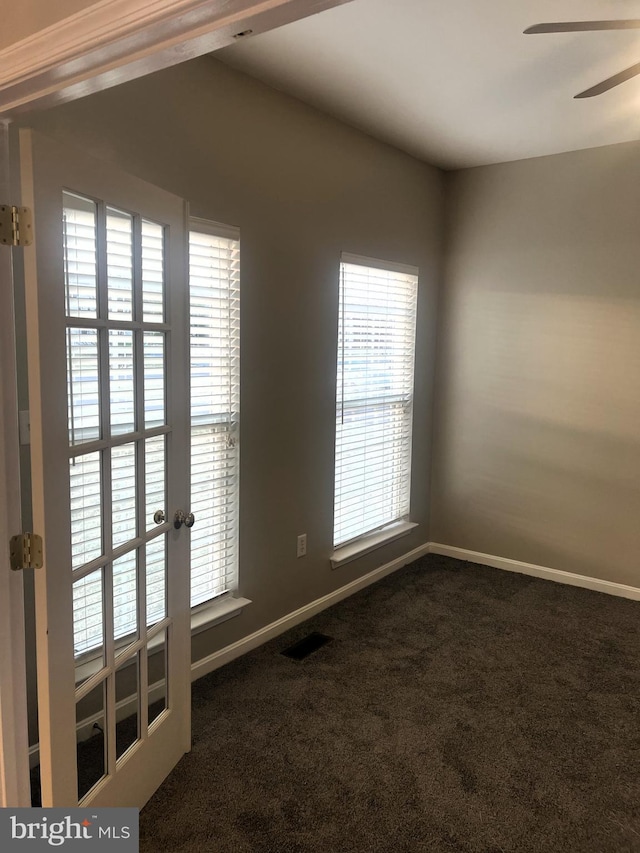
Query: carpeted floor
(458, 708)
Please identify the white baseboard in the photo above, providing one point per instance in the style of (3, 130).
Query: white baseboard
(126, 707)
(252, 641)
(597, 584)
(246, 644)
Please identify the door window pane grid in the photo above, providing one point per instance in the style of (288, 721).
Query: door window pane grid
(123, 493)
(157, 677)
(127, 690)
(83, 386)
(156, 561)
(125, 588)
(92, 764)
(155, 483)
(154, 374)
(119, 241)
(121, 381)
(152, 272)
(80, 263)
(88, 613)
(103, 522)
(86, 508)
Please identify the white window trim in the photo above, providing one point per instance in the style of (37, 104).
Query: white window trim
(377, 263)
(370, 542)
(212, 613)
(216, 229)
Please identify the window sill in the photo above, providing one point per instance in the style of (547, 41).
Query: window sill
(369, 542)
(206, 616)
(215, 612)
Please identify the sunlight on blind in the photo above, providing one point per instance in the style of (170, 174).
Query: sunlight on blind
(376, 342)
(214, 281)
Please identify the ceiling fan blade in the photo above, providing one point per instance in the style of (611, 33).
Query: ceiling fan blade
(583, 26)
(610, 82)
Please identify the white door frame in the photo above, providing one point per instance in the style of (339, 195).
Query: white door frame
(14, 743)
(113, 41)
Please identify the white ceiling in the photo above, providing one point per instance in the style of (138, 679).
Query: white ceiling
(455, 82)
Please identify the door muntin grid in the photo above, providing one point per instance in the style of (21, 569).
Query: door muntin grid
(118, 339)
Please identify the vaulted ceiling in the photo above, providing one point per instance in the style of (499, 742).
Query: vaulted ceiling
(456, 82)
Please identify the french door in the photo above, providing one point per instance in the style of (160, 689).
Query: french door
(107, 338)
(14, 743)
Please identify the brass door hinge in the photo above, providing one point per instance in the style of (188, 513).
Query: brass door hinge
(26, 551)
(16, 226)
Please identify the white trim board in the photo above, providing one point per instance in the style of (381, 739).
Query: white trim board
(229, 653)
(258, 638)
(597, 584)
(113, 41)
(246, 644)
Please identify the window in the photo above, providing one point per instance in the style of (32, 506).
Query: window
(214, 286)
(374, 406)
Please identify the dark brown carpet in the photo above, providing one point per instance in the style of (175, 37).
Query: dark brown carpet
(458, 708)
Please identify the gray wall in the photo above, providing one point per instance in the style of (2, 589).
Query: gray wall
(302, 188)
(537, 450)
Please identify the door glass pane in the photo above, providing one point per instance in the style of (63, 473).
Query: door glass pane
(156, 580)
(119, 264)
(152, 272)
(79, 255)
(121, 381)
(82, 385)
(154, 478)
(88, 614)
(123, 484)
(128, 702)
(86, 508)
(91, 728)
(157, 657)
(153, 379)
(125, 605)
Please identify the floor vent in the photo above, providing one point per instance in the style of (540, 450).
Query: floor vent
(305, 647)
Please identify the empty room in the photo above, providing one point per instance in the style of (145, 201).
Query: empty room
(319, 445)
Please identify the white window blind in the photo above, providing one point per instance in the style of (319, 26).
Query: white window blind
(374, 407)
(214, 281)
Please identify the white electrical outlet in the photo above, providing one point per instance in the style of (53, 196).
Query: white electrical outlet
(302, 545)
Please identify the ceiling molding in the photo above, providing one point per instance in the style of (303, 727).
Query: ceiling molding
(117, 40)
